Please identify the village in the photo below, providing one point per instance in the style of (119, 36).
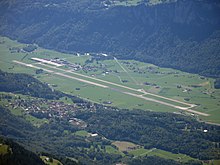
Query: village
(47, 109)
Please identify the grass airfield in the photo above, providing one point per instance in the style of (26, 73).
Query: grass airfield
(161, 84)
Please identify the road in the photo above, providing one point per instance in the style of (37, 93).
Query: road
(61, 74)
(116, 60)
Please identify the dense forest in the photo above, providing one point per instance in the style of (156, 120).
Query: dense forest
(18, 155)
(184, 34)
(217, 83)
(29, 85)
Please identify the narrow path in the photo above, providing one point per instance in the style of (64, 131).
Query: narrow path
(116, 60)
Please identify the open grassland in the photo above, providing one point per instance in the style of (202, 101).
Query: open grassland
(124, 146)
(161, 153)
(120, 82)
(4, 149)
(50, 161)
(214, 162)
(81, 133)
(139, 151)
(169, 155)
(111, 150)
(125, 2)
(135, 2)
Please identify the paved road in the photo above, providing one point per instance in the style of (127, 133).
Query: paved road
(61, 74)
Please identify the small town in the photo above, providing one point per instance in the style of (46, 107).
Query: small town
(45, 109)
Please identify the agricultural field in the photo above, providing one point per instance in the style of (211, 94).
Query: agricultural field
(125, 146)
(50, 161)
(127, 84)
(137, 2)
(4, 149)
(81, 133)
(139, 151)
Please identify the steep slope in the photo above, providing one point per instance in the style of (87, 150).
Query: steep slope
(16, 154)
(183, 34)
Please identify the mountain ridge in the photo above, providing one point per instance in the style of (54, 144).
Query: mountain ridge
(182, 35)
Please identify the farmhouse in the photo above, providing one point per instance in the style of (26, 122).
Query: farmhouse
(94, 135)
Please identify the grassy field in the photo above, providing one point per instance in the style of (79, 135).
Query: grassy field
(4, 149)
(50, 162)
(160, 153)
(169, 155)
(109, 149)
(134, 2)
(170, 83)
(124, 146)
(139, 151)
(213, 162)
(81, 133)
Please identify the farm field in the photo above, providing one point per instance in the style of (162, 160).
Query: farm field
(140, 151)
(134, 2)
(4, 149)
(122, 83)
(50, 161)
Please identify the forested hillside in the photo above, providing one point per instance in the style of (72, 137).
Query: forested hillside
(16, 154)
(26, 84)
(183, 34)
(29, 85)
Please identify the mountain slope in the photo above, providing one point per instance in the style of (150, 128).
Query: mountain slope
(183, 34)
(16, 154)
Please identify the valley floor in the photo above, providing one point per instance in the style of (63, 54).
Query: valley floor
(128, 84)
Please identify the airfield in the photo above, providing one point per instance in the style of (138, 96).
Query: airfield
(123, 83)
(142, 94)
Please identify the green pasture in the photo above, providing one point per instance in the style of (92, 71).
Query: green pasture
(81, 133)
(109, 149)
(4, 149)
(161, 153)
(135, 2)
(50, 161)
